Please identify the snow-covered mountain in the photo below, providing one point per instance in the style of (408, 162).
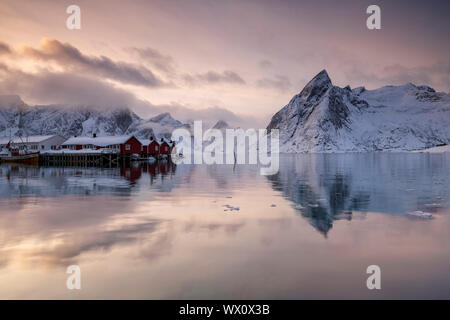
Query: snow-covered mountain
(221, 124)
(160, 126)
(17, 118)
(327, 118)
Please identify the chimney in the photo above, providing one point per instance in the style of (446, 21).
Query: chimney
(94, 135)
(162, 139)
(151, 138)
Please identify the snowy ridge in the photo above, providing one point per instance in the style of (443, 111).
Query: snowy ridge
(19, 119)
(327, 118)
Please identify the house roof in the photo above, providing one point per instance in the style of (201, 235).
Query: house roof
(98, 141)
(30, 139)
(168, 141)
(147, 142)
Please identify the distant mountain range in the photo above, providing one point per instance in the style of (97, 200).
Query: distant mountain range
(327, 118)
(321, 118)
(19, 119)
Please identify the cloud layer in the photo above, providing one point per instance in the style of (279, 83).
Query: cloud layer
(4, 48)
(213, 77)
(162, 62)
(67, 89)
(70, 58)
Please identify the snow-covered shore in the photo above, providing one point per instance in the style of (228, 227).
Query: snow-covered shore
(440, 149)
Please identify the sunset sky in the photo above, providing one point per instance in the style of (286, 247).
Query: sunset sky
(240, 61)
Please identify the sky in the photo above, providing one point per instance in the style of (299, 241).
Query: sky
(238, 60)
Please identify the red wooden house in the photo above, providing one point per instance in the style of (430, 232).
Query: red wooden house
(153, 147)
(165, 146)
(120, 144)
(144, 147)
(130, 146)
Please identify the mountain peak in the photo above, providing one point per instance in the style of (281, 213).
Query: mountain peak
(159, 117)
(11, 100)
(317, 86)
(327, 118)
(221, 125)
(322, 78)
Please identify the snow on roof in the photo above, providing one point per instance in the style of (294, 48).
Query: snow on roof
(146, 142)
(30, 139)
(168, 141)
(98, 141)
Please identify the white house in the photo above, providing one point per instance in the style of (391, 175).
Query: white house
(35, 143)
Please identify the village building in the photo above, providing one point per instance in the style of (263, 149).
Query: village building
(35, 143)
(150, 146)
(114, 144)
(165, 146)
(155, 147)
(144, 143)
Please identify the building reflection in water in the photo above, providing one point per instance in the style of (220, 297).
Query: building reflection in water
(21, 181)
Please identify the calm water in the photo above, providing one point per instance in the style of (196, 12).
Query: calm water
(187, 232)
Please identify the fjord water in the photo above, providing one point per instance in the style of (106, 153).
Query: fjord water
(226, 232)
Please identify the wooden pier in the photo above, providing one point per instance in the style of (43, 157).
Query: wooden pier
(91, 159)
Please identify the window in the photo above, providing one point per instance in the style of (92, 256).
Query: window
(165, 149)
(156, 148)
(42, 147)
(127, 147)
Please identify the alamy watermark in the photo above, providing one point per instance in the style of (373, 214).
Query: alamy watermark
(239, 147)
(73, 281)
(74, 20)
(374, 280)
(374, 20)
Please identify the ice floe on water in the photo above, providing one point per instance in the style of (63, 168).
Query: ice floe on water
(230, 208)
(420, 214)
(433, 205)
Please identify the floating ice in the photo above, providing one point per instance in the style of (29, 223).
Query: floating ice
(421, 214)
(433, 205)
(231, 208)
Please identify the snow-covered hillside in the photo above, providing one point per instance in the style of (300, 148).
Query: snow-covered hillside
(17, 118)
(327, 118)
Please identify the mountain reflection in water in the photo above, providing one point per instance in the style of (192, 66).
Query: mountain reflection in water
(165, 231)
(329, 187)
